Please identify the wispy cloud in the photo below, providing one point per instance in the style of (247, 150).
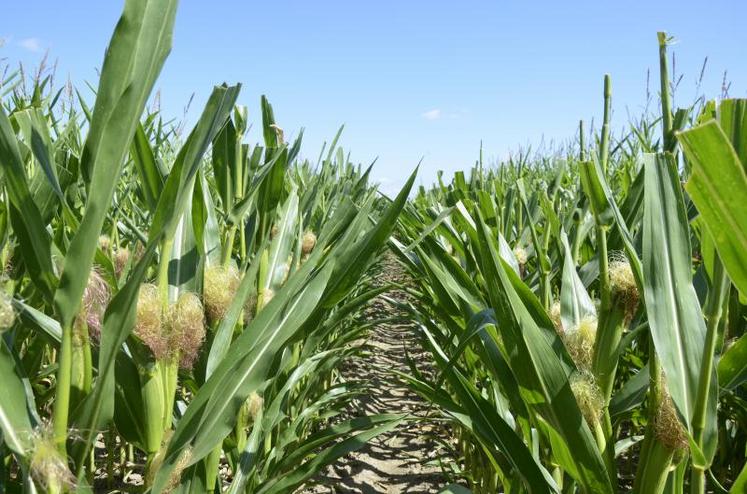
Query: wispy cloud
(434, 114)
(33, 45)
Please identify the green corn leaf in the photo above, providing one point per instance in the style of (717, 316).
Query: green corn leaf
(4, 224)
(248, 458)
(740, 485)
(268, 121)
(210, 415)
(575, 302)
(492, 428)
(304, 448)
(144, 160)
(435, 224)
(224, 163)
(179, 185)
(591, 180)
(446, 292)
(498, 366)
(717, 186)
(136, 53)
(36, 133)
(541, 374)
(184, 258)
(354, 260)
(673, 309)
(732, 367)
(275, 411)
(16, 419)
(732, 116)
(263, 183)
(205, 222)
(271, 188)
(97, 409)
(597, 189)
(631, 395)
(539, 251)
(224, 332)
(629, 211)
(296, 147)
(282, 243)
(36, 319)
(25, 217)
(507, 253)
(298, 476)
(129, 410)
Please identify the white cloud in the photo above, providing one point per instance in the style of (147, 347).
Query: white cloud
(434, 114)
(33, 45)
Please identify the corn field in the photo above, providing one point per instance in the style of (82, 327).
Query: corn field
(587, 311)
(176, 307)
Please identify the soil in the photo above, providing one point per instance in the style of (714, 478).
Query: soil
(407, 459)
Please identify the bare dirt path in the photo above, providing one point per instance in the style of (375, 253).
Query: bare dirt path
(404, 460)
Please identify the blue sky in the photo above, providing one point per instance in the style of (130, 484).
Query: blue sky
(409, 79)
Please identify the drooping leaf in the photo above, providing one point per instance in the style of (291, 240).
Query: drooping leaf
(717, 186)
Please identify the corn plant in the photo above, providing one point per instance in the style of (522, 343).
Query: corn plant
(586, 311)
(175, 306)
